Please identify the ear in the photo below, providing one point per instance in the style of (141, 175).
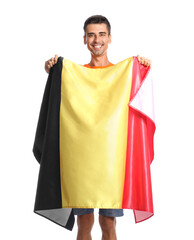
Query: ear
(109, 38)
(84, 39)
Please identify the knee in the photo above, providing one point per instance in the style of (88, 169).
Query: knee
(85, 221)
(107, 223)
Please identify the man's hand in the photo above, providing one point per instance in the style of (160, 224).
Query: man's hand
(146, 62)
(49, 64)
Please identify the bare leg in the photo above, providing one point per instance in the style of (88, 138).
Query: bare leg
(108, 226)
(85, 223)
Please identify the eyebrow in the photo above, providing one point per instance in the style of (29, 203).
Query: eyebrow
(94, 33)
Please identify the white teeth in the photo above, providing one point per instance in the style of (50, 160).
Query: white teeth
(97, 46)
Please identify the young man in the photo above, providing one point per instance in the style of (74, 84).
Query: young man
(97, 37)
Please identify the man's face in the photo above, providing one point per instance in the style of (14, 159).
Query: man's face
(97, 38)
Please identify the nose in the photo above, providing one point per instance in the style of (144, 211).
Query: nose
(96, 38)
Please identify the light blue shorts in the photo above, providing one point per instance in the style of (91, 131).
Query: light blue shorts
(104, 212)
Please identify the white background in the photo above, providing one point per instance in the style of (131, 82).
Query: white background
(32, 32)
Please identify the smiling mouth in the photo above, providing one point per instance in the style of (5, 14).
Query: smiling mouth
(97, 47)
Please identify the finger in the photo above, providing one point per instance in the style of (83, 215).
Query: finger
(46, 63)
(52, 60)
(138, 58)
(146, 62)
(56, 58)
(48, 66)
(143, 60)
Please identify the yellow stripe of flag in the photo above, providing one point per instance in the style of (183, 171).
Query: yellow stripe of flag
(93, 134)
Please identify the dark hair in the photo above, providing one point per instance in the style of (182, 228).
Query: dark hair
(97, 19)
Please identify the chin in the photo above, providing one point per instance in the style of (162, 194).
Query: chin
(97, 53)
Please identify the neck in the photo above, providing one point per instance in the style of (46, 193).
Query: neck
(99, 61)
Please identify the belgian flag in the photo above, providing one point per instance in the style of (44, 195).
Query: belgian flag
(94, 140)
